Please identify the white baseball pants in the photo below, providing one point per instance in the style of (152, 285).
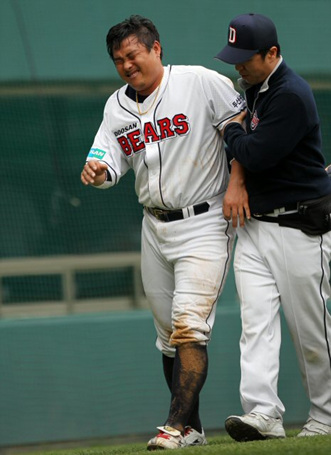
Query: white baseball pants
(283, 267)
(184, 267)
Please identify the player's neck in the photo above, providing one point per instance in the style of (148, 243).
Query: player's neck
(131, 93)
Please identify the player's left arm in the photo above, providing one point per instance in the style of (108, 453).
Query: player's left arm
(236, 203)
(227, 104)
(221, 96)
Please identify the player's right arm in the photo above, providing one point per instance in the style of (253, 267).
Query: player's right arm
(105, 163)
(94, 173)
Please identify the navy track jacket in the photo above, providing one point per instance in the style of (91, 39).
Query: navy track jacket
(281, 152)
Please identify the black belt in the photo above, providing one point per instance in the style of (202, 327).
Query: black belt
(273, 214)
(180, 214)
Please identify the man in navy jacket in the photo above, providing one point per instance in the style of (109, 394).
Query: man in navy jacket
(284, 238)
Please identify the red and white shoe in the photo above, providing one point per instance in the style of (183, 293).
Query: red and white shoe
(194, 438)
(168, 438)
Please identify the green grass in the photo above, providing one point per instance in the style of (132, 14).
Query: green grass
(317, 445)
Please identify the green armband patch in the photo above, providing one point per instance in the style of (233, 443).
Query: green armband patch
(96, 153)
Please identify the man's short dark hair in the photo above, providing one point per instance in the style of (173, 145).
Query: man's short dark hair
(263, 52)
(141, 27)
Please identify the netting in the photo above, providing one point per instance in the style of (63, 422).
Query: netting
(47, 211)
(48, 125)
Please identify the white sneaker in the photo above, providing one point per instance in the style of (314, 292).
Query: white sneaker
(254, 426)
(314, 428)
(168, 438)
(194, 438)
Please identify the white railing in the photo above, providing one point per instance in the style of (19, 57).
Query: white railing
(67, 267)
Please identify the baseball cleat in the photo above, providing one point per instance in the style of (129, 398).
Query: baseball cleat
(314, 428)
(168, 438)
(254, 427)
(194, 438)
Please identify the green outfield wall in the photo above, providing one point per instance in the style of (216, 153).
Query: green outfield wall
(52, 39)
(99, 376)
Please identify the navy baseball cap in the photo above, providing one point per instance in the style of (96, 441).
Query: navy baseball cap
(247, 35)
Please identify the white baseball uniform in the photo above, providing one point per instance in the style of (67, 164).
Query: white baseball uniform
(172, 142)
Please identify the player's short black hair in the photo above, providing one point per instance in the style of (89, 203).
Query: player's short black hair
(263, 52)
(141, 27)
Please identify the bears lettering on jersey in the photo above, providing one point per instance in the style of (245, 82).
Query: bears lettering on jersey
(132, 140)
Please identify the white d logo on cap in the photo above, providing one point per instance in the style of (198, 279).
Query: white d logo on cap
(232, 35)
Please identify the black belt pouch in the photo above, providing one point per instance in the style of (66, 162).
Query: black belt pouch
(313, 217)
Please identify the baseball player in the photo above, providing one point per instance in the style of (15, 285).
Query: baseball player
(165, 124)
(283, 252)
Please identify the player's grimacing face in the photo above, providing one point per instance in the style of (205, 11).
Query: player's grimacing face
(140, 68)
